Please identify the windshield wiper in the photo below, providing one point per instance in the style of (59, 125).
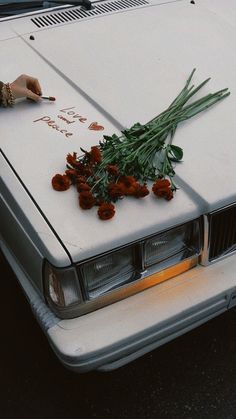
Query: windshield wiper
(32, 4)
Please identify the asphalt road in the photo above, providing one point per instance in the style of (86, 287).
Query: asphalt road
(191, 377)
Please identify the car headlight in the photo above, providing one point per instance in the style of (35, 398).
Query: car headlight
(123, 267)
(120, 273)
(108, 272)
(172, 246)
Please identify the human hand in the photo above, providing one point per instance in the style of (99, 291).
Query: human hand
(26, 86)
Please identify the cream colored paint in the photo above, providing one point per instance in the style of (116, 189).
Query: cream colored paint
(146, 312)
(117, 70)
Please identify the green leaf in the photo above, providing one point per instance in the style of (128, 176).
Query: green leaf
(176, 152)
(137, 125)
(107, 138)
(127, 134)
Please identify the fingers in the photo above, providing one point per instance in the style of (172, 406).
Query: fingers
(33, 84)
(33, 96)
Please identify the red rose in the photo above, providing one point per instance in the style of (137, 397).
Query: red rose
(81, 179)
(116, 190)
(161, 188)
(106, 211)
(86, 171)
(129, 183)
(61, 182)
(95, 155)
(86, 200)
(112, 169)
(140, 191)
(127, 180)
(162, 183)
(71, 159)
(169, 195)
(83, 187)
(72, 174)
(131, 190)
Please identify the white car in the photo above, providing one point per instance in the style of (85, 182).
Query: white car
(107, 292)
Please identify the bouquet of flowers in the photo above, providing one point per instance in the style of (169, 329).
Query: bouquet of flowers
(122, 165)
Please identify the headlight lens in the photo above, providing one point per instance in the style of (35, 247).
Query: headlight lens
(108, 272)
(172, 246)
(110, 277)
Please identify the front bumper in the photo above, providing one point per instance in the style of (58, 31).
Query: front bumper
(117, 334)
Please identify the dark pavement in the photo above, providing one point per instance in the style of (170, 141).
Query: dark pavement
(191, 377)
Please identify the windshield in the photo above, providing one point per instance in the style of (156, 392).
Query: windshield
(15, 7)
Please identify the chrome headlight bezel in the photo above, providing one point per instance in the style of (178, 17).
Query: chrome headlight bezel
(142, 275)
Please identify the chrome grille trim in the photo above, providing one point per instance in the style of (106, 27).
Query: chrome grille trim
(58, 18)
(219, 234)
(205, 251)
(222, 232)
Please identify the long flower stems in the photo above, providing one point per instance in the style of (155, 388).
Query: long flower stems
(138, 145)
(181, 114)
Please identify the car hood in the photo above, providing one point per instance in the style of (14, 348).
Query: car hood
(108, 72)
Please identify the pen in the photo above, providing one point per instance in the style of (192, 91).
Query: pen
(51, 98)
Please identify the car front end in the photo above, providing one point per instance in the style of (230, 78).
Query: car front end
(107, 292)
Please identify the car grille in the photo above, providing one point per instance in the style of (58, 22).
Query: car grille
(222, 232)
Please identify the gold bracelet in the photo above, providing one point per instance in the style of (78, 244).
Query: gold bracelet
(7, 96)
(4, 96)
(10, 97)
(3, 93)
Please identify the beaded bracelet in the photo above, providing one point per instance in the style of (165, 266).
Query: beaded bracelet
(4, 96)
(7, 96)
(10, 97)
(1, 86)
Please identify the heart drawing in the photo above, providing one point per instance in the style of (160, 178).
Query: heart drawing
(96, 127)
